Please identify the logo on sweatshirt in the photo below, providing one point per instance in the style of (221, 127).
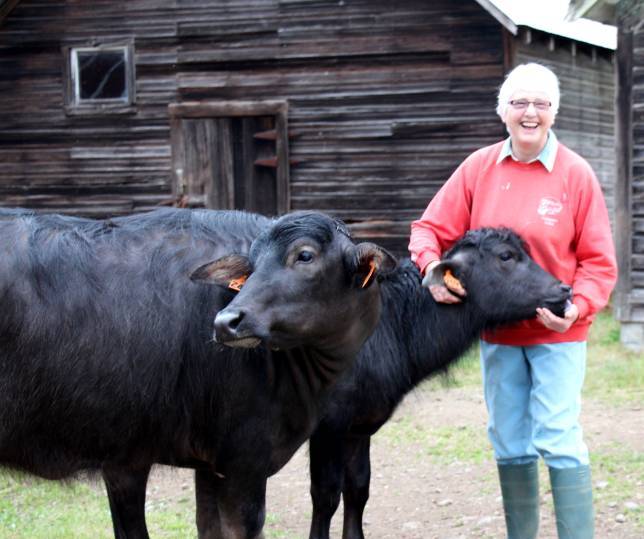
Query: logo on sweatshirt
(548, 208)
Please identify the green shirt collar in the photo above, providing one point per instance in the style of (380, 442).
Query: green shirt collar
(547, 155)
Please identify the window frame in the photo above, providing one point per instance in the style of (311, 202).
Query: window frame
(74, 105)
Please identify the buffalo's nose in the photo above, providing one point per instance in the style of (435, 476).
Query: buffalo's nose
(566, 289)
(226, 324)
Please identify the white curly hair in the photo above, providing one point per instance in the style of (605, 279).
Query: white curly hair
(530, 77)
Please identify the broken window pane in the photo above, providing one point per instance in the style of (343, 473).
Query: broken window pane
(102, 74)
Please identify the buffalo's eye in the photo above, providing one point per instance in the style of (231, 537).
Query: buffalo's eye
(505, 256)
(305, 256)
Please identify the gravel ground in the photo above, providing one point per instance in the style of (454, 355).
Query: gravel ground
(416, 495)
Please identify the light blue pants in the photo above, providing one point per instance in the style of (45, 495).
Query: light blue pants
(533, 397)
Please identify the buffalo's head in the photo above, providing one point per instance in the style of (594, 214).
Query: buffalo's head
(496, 272)
(304, 283)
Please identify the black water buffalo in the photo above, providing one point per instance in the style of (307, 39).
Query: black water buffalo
(416, 337)
(107, 361)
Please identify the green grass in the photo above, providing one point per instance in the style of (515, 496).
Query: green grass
(619, 472)
(40, 509)
(463, 443)
(32, 508)
(272, 529)
(37, 509)
(466, 372)
(614, 375)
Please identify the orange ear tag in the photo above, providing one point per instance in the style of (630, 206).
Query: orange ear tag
(366, 280)
(452, 282)
(236, 284)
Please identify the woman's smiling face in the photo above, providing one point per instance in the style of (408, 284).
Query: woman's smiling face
(528, 126)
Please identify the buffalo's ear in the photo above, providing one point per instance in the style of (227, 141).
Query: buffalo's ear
(447, 273)
(230, 271)
(368, 261)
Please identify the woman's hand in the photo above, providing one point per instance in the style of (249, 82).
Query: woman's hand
(557, 323)
(440, 292)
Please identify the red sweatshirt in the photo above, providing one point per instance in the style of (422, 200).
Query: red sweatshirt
(561, 215)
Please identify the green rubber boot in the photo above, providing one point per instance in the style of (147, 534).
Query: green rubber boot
(572, 493)
(520, 490)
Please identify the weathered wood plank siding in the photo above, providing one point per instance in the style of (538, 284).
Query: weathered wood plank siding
(94, 164)
(384, 100)
(637, 174)
(631, 179)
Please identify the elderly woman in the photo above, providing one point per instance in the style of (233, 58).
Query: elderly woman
(533, 372)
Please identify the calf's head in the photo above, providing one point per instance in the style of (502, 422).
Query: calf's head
(304, 283)
(500, 278)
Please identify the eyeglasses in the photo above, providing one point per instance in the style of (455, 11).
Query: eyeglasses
(522, 104)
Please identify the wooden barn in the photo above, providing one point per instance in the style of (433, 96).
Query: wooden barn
(360, 108)
(628, 15)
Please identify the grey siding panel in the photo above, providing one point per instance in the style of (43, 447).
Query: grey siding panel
(636, 293)
(86, 165)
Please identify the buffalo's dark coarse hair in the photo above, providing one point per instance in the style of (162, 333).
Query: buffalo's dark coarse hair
(108, 362)
(315, 225)
(486, 237)
(105, 312)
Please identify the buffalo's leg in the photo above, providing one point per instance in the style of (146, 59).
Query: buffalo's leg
(126, 494)
(208, 525)
(326, 453)
(355, 492)
(242, 509)
(232, 507)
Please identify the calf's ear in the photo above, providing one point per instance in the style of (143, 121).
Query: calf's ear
(447, 274)
(230, 271)
(368, 261)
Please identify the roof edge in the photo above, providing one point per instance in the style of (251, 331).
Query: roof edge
(579, 8)
(499, 15)
(581, 30)
(604, 11)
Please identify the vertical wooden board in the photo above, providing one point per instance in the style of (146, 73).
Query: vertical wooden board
(264, 189)
(624, 179)
(245, 156)
(198, 135)
(208, 131)
(190, 172)
(283, 183)
(223, 183)
(178, 157)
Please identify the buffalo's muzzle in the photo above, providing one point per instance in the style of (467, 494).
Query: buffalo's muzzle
(228, 331)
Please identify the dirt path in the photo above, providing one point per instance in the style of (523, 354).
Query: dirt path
(421, 490)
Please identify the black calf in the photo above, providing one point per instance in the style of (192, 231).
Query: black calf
(416, 337)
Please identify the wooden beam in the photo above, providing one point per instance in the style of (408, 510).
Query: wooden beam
(624, 146)
(509, 51)
(283, 157)
(271, 134)
(214, 109)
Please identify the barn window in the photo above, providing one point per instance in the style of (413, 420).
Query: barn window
(100, 79)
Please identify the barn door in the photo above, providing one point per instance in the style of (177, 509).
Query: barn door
(231, 155)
